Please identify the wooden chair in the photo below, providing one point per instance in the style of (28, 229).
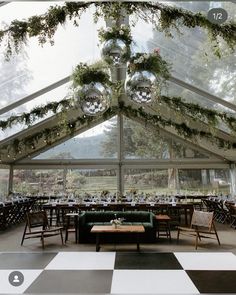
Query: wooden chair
(38, 227)
(202, 226)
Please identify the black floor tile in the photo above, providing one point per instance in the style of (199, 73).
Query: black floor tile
(72, 281)
(146, 261)
(217, 281)
(25, 260)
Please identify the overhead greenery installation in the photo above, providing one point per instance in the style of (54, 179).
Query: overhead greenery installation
(163, 17)
(68, 127)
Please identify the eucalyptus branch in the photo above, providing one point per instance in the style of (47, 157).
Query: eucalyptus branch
(163, 18)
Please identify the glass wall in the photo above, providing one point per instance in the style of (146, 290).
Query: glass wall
(38, 181)
(64, 181)
(145, 180)
(4, 179)
(141, 142)
(91, 180)
(205, 180)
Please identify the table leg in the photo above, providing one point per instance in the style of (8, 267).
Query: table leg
(138, 247)
(97, 242)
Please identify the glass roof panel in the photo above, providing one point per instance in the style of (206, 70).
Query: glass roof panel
(91, 144)
(140, 142)
(56, 94)
(190, 55)
(37, 67)
(173, 89)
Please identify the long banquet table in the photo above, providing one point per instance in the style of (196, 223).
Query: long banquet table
(55, 209)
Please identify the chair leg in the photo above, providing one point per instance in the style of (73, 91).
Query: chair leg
(178, 236)
(42, 240)
(196, 241)
(216, 234)
(61, 237)
(23, 237)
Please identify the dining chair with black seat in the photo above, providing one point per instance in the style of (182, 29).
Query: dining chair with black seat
(232, 213)
(70, 221)
(202, 226)
(37, 226)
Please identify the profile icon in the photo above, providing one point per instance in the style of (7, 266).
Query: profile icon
(16, 278)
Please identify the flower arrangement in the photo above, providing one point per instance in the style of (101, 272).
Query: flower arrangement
(152, 62)
(117, 221)
(122, 32)
(84, 74)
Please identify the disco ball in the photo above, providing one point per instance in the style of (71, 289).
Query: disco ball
(115, 52)
(141, 87)
(94, 98)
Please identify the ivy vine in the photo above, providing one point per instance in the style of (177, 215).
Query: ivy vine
(163, 18)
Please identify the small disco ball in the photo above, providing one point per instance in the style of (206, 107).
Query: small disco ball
(115, 51)
(96, 98)
(141, 86)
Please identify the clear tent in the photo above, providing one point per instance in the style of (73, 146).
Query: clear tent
(37, 68)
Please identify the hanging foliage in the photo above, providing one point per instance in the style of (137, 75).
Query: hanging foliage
(84, 74)
(199, 113)
(37, 113)
(181, 128)
(163, 18)
(68, 127)
(152, 62)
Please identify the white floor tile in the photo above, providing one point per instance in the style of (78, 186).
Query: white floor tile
(29, 277)
(207, 261)
(152, 282)
(82, 260)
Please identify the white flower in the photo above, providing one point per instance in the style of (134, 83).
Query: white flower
(136, 61)
(141, 59)
(123, 26)
(109, 30)
(121, 32)
(145, 56)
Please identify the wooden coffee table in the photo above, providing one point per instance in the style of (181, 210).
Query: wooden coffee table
(109, 229)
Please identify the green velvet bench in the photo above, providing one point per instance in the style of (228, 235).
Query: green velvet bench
(90, 218)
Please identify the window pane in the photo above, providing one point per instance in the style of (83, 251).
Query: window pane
(37, 67)
(96, 143)
(91, 180)
(146, 180)
(4, 178)
(207, 181)
(38, 181)
(143, 143)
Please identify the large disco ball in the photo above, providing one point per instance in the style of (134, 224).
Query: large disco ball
(141, 87)
(94, 98)
(115, 52)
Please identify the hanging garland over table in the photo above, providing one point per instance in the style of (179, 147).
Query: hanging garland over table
(49, 135)
(176, 103)
(163, 18)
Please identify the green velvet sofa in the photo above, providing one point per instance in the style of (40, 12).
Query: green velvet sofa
(89, 218)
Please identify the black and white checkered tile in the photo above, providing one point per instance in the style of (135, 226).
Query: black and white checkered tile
(120, 273)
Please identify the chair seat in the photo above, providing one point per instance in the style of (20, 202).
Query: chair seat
(202, 226)
(37, 227)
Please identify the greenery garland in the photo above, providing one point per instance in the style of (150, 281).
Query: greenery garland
(44, 26)
(49, 135)
(181, 128)
(176, 103)
(37, 113)
(197, 112)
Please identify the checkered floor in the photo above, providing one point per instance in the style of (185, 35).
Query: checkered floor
(120, 273)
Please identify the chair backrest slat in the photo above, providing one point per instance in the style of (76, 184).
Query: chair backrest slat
(202, 219)
(37, 219)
